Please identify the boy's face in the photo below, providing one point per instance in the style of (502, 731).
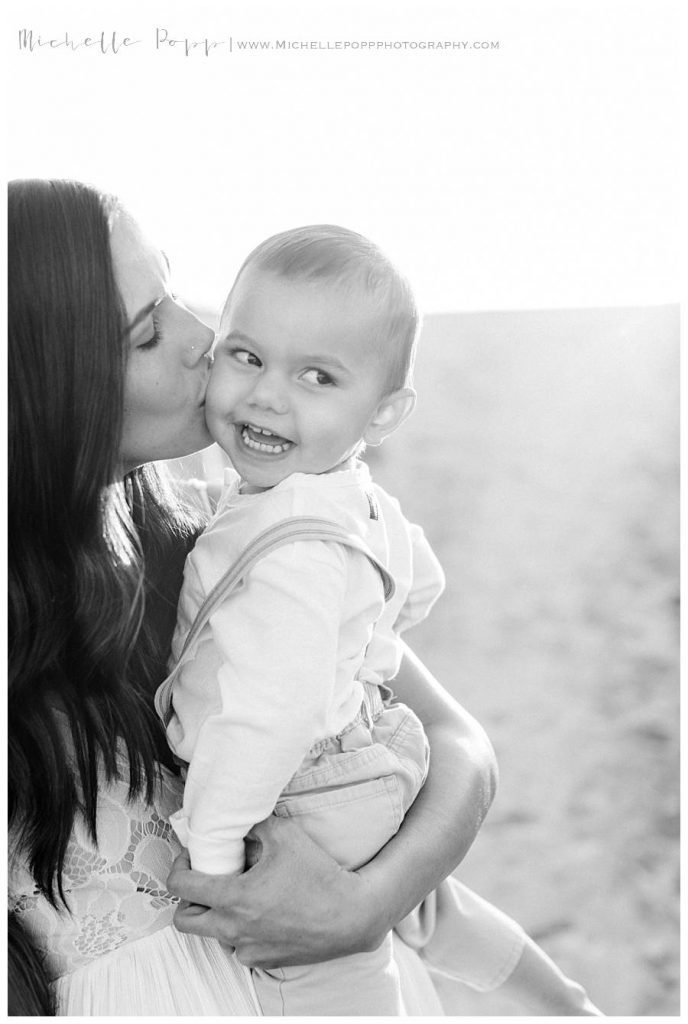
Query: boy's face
(297, 377)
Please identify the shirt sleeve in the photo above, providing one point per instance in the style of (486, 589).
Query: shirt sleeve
(428, 581)
(277, 639)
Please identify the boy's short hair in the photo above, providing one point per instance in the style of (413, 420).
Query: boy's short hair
(330, 253)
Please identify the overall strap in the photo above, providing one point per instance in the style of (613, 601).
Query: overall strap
(287, 531)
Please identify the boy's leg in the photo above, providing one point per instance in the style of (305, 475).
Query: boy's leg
(350, 797)
(362, 985)
(541, 988)
(467, 940)
(463, 937)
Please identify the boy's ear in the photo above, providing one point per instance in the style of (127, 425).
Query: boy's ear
(390, 414)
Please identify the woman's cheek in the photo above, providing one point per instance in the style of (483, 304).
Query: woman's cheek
(158, 390)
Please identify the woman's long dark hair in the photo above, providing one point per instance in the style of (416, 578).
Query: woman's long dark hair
(83, 659)
(28, 990)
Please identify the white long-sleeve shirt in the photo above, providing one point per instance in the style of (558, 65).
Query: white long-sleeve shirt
(278, 667)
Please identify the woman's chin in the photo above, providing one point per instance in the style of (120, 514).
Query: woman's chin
(164, 445)
(198, 446)
(198, 440)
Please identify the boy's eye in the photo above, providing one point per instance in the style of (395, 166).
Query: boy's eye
(245, 357)
(318, 377)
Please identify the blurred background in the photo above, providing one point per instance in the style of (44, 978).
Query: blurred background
(543, 462)
(537, 173)
(535, 181)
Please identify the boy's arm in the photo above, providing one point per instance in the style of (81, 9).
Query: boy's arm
(428, 581)
(297, 906)
(276, 638)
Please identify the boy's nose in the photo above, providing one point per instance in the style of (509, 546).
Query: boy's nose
(268, 393)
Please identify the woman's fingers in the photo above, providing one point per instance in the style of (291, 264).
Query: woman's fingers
(282, 839)
(272, 830)
(208, 902)
(199, 920)
(290, 907)
(204, 891)
(191, 917)
(181, 861)
(187, 884)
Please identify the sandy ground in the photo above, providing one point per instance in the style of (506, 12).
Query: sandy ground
(543, 462)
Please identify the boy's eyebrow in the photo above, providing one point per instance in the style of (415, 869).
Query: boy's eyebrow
(327, 360)
(320, 359)
(237, 336)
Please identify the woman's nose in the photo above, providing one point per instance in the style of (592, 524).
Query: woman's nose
(199, 341)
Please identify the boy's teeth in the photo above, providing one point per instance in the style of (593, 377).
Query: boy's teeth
(262, 446)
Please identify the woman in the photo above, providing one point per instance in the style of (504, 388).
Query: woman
(108, 373)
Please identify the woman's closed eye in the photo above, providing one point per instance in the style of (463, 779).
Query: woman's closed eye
(154, 339)
(318, 377)
(156, 317)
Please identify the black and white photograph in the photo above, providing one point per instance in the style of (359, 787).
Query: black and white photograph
(392, 288)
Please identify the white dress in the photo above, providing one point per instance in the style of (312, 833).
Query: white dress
(118, 953)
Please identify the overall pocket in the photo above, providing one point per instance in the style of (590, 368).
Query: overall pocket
(350, 803)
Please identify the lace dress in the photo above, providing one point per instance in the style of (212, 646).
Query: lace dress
(117, 953)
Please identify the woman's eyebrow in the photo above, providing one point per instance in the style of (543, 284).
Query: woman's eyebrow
(147, 310)
(143, 313)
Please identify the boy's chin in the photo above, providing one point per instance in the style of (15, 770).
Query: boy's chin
(257, 480)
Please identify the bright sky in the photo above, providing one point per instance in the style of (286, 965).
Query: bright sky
(541, 173)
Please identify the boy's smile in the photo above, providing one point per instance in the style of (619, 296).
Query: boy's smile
(297, 377)
(264, 440)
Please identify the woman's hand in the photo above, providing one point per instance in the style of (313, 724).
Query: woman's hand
(295, 905)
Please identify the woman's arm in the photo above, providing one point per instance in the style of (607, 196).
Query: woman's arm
(297, 906)
(442, 823)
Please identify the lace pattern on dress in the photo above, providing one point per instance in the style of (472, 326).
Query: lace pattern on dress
(116, 891)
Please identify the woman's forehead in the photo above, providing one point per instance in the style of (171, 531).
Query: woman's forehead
(140, 268)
